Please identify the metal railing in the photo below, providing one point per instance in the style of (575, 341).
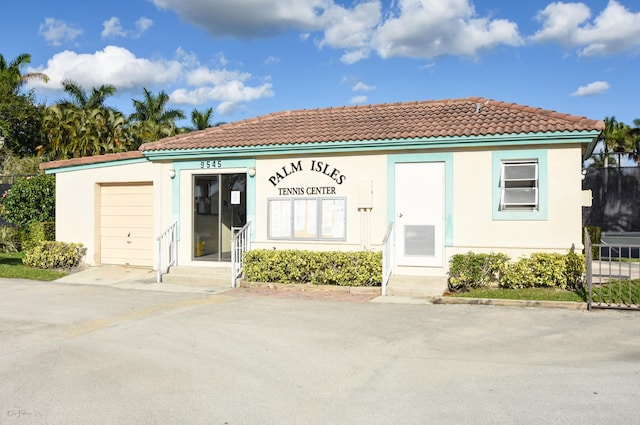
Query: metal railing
(387, 258)
(240, 243)
(613, 276)
(167, 250)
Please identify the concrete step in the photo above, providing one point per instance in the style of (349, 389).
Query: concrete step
(198, 276)
(416, 286)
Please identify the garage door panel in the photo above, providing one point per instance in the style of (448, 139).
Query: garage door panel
(127, 236)
(133, 203)
(126, 224)
(127, 188)
(125, 210)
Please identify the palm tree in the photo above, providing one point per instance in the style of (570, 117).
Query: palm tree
(634, 133)
(201, 120)
(82, 100)
(11, 73)
(155, 120)
(617, 138)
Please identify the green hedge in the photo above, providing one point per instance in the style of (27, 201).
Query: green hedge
(54, 255)
(360, 268)
(35, 233)
(470, 270)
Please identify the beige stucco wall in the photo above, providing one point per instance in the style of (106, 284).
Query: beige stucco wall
(77, 195)
(476, 230)
(366, 211)
(473, 226)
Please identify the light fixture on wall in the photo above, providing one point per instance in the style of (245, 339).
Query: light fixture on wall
(172, 173)
(252, 172)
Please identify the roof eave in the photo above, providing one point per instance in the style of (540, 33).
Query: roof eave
(525, 139)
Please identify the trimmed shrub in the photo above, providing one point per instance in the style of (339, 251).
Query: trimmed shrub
(360, 268)
(471, 270)
(518, 274)
(54, 255)
(545, 270)
(575, 266)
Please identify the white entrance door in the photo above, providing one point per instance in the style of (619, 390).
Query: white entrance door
(419, 207)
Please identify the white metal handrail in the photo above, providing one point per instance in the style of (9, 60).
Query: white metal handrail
(240, 243)
(387, 258)
(167, 249)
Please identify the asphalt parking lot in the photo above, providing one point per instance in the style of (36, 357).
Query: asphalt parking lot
(83, 354)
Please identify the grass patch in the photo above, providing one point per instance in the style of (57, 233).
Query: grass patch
(538, 294)
(617, 292)
(11, 267)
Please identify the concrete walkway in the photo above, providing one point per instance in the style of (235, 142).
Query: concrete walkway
(403, 289)
(140, 278)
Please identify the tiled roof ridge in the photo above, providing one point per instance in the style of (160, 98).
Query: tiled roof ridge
(483, 101)
(539, 111)
(315, 125)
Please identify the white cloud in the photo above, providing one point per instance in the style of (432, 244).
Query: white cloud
(597, 87)
(56, 32)
(112, 65)
(203, 76)
(231, 92)
(113, 28)
(360, 86)
(431, 28)
(614, 30)
(142, 25)
(358, 100)
(351, 29)
(413, 28)
(190, 83)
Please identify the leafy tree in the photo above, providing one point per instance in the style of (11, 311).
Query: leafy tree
(71, 132)
(30, 200)
(13, 165)
(83, 125)
(20, 116)
(154, 119)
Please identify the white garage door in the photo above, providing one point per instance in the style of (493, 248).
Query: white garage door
(126, 224)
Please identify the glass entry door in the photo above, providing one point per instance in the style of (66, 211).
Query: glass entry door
(219, 207)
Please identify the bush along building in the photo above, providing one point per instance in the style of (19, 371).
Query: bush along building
(438, 177)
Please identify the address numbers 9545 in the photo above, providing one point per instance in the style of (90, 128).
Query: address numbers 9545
(211, 164)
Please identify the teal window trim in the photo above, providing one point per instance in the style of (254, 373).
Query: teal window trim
(539, 155)
(447, 158)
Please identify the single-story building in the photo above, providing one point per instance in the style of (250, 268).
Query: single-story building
(445, 177)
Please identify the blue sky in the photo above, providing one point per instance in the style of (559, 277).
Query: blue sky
(247, 58)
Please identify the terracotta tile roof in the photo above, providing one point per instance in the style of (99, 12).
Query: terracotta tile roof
(473, 116)
(91, 160)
